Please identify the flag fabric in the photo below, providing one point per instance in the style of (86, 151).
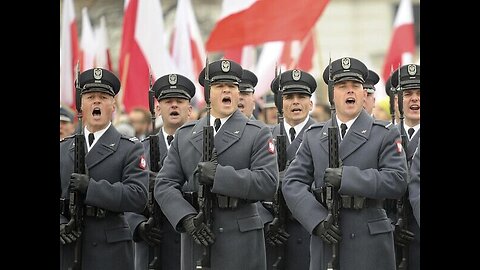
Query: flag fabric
(102, 49)
(87, 43)
(68, 54)
(264, 21)
(402, 45)
(188, 52)
(143, 48)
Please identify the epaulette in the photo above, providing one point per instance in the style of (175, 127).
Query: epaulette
(383, 123)
(146, 138)
(316, 125)
(256, 123)
(132, 139)
(188, 124)
(68, 137)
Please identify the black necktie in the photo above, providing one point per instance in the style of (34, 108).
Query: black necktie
(343, 127)
(292, 134)
(410, 132)
(169, 139)
(217, 123)
(91, 138)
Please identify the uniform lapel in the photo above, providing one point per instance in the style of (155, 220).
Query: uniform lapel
(106, 145)
(293, 147)
(197, 135)
(324, 135)
(356, 136)
(412, 145)
(163, 147)
(230, 132)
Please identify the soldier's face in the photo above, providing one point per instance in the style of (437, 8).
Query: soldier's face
(369, 103)
(97, 109)
(296, 108)
(174, 111)
(224, 99)
(349, 98)
(66, 129)
(411, 105)
(246, 103)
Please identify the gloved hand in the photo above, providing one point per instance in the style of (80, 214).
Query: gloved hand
(205, 170)
(402, 236)
(274, 234)
(79, 182)
(333, 176)
(149, 233)
(327, 231)
(68, 237)
(198, 230)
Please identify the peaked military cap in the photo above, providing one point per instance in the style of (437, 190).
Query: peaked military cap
(388, 87)
(173, 85)
(370, 81)
(65, 114)
(222, 71)
(295, 81)
(347, 69)
(409, 77)
(248, 82)
(99, 80)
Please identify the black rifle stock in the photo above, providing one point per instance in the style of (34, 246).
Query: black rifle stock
(76, 205)
(403, 203)
(204, 194)
(331, 194)
(153, 207)
(280, 210)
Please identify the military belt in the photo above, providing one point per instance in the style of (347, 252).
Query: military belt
(97, 212)
(358, 202)
(221, 201)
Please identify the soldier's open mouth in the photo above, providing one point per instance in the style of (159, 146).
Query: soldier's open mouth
(227, 100)
(296, 110)
(415, 107)
(350, 101)
(174, 113)
(96, 112)
(240, 106)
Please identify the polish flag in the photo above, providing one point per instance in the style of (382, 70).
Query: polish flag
(68, 54)
(102, 50)
(188, 52)
(297, 54)
(87, 43)
(143, 46)
(402, 46)
(263, 21)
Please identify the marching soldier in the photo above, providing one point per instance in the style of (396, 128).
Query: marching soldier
(298, 86)
(246, 103)
(369, 86)
(410, 91)
(372, 168)
(115, 182)
(173, 92)
(243, 169)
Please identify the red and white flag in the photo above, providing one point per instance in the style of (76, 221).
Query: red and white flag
(87, 43)
(188, 51)
(402, 45)
(102, 50)
(143, 46)
(264, 21)
(68, 54)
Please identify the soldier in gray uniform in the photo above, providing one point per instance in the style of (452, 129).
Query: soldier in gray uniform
(245, 171)
(298, 86)
(173, 92)
(116, 181)
(246, 102)
(410, 91)
(372, 168)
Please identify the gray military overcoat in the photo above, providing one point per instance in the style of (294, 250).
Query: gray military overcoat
(247, 169)
(118, 183)
(374, 166)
